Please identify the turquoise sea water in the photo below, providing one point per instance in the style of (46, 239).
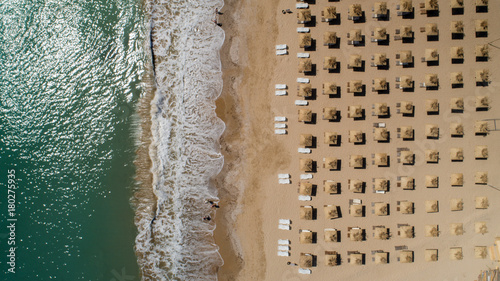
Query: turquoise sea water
(69, 81)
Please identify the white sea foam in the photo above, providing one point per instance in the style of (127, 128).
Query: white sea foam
(185, 152)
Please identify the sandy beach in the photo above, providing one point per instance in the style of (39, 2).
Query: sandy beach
(253, 201)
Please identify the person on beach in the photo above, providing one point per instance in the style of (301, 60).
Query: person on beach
(207, 218)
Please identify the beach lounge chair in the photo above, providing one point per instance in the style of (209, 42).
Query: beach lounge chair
(305, 198)
(284, 181)
(304, 150)
(304, 271)
(283, 248)
(283, 254)
(283, 227)
(283, 176)
(303, 30)
(281, 47)
(280, 119)
(285, 221)
(280, 132)
(301, 5)
(279, 125)
(280, 87)
(280, 93)
(306, 176)
(283, 242)
(301, 102)
(303, 80)
(303, 55)
(281, 52)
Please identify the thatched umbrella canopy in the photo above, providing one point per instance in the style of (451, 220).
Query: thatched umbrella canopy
(330, 13)
(481, 152)
(431, 5)
(329, 113)
(306, 165)
(356, 259)
(481, 25)
(457, 103)
(407, 132)
(431, 206)
(329, 88)
(482, 202)
(406, 256)
(431, 29)
(355, 11)
(481, 228)
(306, 260)
(381, 209)
(330, 63)
(482, 51)
(431, 130)
(457, 52)
(408, 183)
(306, 212)
(356, 86)
(431, 255)
(330, 163)
(457, 129)
(431, 230)
(331, 235)
(305, 115)
(305, 90)
(331, 259)
(380, 85)
(407, 31)
(431, 156)
(305, 237)
(457, 154)
(407, 107)
(380, 33)
(381, 134)
(356, 186)
(406, 81)
(381, 184)
(407, 231)
(457, 78)
(457, 4)
(481, 177)
(356, 210)
(380, 8)
(457, 204)
(406, 56)
(305, 40)
(406, 207)
(457, 229)
(356, 35)
(457, 27)
(305, 188)
(331, 212)
(431, 80)
(406, 6)
(331, 138)
(355, 111)
(431, 55)
(304, 16)
(431, 181)
(381, 233)
(407, 157)
(481, 3)
(356, 161)
(481, 127)
(306, 140)
(330, 186)
(381, 159)
(329, 38)
(380, 59)
(305, 65)
(355, 61)
(381, 109)
(456, 253)
(356, 136)
(482, 75)
(356, 234)
(381, 257)
(482, 102)
(480, 252)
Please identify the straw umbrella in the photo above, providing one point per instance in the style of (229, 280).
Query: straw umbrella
(457, 53)
(406, 6)
(431, 55)
(381, 209)
(356, 161)
(329, 113)
(356, 35)
(431, 255)
(480, 252)
(406, 256)
(306, 260)
(381, 233)
(456, 129)
(380, 8)
(456, 253)
(380, 84)
(457, 4)
(407, 107)
(457, 154)
(304, 16)
(330, 13)
(305, 237)
(457, 103)
(381, 109)
(305, 115)
(481, 178)
(305, 65)
(355, 86)
(457, 179)
(356, 136)
(456, 78)
(330, 63)
(431, 80)
(457, 27)
(356, 259)
(482, 76)
(431, 206)
(407, 30)
(330, 187)
(407, 157)
(482, 51)
(482, 202)
(381, 257)
(306, 165)
(431, 29)
(356, 210)
(481, 152)
(406, 231)
(355, 61)
(331, 138)
(380, 59)
(305, 188)
(381, 159)
(331, 235)
(356, 186)
(481, 228)
(331, 258)
(457, 229)
(482, 102)
(431, 181)
(406, 207)
(305, 90)
(431, 5)
(408, 183)
(356, 234)
(481, 127)
(481, 3)
(407, 132)
(406, 82)
(431, 131)
(306, 212)
(380, 34)
(329, 38)
(406, 57)
(306, 140)
(457, 204)
(381, 184)
(330, 163)
(481, 25)
(431, 230)
(329, 88)
(431, 156)
(305, 40)
(331, 212)
(355, 11)
(381, 134)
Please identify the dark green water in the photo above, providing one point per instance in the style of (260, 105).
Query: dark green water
(69, 81)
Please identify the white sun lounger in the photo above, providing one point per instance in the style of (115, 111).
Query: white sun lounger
(380, 191)
(285, 221)
(280, 132)
(281, 47)
(280, 93)
(301, 102)
(301, 5)
(306, 176)
(283, 254)
(284, 248)
(284, 227)
(303, 29)
(283, 242)
(305, 198)
(304, 271)
(304, 150)
(303, 55)
(280, 119)
(280, 86)
(284, 181)
(281, 52)
(279, 125)
(303, 80)
(283, 176)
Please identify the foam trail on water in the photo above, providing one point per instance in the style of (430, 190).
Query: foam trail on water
(185, 152)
